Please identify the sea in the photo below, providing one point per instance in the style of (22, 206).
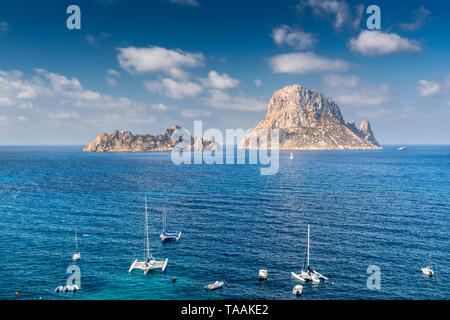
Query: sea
(376, 218)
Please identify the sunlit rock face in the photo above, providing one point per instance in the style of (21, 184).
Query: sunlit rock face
(125, 141)
(307, 120)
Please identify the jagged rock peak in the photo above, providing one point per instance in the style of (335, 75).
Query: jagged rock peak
(125, 141)
(308, 120)
(295, 105)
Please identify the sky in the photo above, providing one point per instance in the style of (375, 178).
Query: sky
(145, 66)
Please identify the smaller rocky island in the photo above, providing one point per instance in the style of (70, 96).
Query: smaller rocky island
(125, 141)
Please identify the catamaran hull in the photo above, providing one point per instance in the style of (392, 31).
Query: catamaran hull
(146, 267)
(175, 237)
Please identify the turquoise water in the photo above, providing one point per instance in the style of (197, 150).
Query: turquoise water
(385, 208)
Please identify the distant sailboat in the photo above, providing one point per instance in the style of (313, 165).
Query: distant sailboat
(77, 255)
(291, 157)
(308, 274)
(168, 235)
(150, 263)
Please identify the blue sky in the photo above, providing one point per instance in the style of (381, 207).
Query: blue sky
(144, 66)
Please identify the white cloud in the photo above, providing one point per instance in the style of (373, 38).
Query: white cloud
(421, 15)
(337, 10)
(223, 100)
(258, 82)
(110, 78)
(295, 38)
(336, 81)
(158, 59)
(94, 40)
(195, 113)
(428, 88)
(174, 89)
(63, 115)
(305, 62)
(159, 107)
(348, 90)
(373, 43)
(50, 96)
(113, 72)
(219, 81)
(192, 3)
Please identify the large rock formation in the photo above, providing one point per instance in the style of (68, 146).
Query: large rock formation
(307, 120)
(125, 141)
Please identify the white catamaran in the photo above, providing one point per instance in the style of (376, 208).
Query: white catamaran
(150, 263)
(166, 234)
(308, 274)
(77, 255)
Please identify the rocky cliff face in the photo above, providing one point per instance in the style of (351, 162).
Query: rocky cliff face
(125, 141)
(307, 120)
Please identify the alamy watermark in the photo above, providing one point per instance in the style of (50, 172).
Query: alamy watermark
(374, 279)
(262, 146)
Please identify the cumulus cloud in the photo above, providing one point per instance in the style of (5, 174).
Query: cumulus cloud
(110, 78)
(174, 89)
(373, 43)
(338, 11)
(421, 15)
(56, 97)
(428, 88)
(348, 90)
(159, 107)
(219, 81)
(158, 59)
(305, 62)
(192, 3)
(195, 113)
(294, 38)
(223, 100)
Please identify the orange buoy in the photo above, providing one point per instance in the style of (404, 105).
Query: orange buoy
(17, 293)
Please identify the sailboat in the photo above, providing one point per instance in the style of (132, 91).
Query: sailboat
(308, 274)
(291, 157)
(149, 263)
(168, 235)
(77, 255)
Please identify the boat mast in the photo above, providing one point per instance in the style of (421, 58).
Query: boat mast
(164, 219)
(308, 246)
(76, 241)
(146, 228)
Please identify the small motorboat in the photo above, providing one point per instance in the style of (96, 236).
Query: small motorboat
(214, 286)
(77, 255)
(428, 271)
(59, 289)
(298, 289)
(401, 148)
(262, 275)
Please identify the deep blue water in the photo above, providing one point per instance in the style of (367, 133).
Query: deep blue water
(386, 208)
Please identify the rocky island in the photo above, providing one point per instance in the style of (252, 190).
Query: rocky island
(125, 141)
(307, 120)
